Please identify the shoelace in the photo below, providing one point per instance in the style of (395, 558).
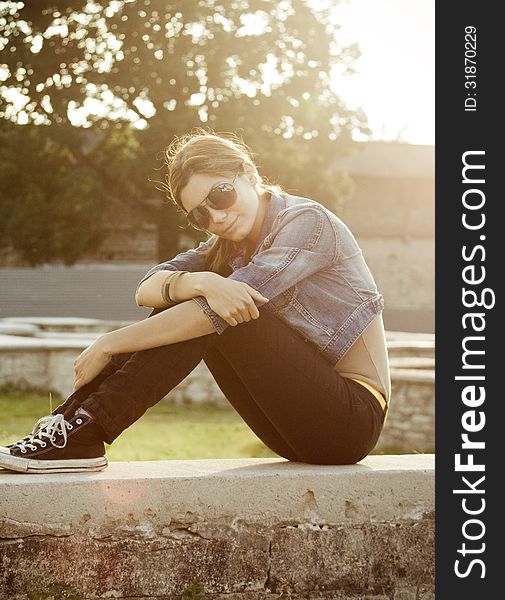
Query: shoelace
(45, 427)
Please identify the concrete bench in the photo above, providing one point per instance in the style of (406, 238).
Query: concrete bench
(240, 528)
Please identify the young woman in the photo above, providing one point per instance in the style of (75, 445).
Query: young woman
(278, 302)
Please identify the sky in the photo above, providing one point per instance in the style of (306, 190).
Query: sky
(395, 85)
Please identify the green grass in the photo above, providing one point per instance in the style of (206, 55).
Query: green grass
(163, 432)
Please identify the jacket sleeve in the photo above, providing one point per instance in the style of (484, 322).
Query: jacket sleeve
(303, 241)
(192, 260)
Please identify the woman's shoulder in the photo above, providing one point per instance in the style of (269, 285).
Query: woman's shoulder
(305, 218)
(298, 206)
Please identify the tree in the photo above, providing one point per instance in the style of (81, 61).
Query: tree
(250, 66)
(49, 203)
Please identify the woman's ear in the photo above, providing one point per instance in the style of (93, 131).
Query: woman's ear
(248, 171)
(254, 178)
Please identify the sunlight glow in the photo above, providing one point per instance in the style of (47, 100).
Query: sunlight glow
(393, 83)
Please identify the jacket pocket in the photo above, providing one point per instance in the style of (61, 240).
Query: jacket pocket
(282, 301)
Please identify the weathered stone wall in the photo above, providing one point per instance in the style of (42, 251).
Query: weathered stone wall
(393, 219)
(410, 423)
(242, 528)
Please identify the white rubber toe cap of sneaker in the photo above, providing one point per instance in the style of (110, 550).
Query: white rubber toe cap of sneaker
(5, 450)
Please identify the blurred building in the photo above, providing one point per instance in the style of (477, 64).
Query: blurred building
(392, 215)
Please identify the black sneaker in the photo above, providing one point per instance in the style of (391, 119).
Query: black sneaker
(57, 446)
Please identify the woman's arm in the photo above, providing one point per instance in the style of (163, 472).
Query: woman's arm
(177, 324)
(182, 288)
(232, 299)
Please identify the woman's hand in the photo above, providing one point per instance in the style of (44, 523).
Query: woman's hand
(233, 301)
(90, 363)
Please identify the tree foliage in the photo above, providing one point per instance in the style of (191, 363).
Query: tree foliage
(51, 204)
(259, 68)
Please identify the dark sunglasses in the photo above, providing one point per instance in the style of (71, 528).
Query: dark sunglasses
(221, 196)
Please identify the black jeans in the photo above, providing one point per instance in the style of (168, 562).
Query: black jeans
(279, 383)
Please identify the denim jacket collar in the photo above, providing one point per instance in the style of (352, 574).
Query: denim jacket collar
(274, 206)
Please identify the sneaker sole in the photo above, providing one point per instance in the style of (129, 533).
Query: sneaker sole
(29, 465)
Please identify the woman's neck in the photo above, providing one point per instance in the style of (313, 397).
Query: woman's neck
(252, 238)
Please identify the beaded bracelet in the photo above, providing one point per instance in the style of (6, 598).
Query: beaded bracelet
(165, 287)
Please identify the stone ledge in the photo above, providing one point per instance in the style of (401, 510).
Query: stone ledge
(12, 343)
(65, 324)
(270, 490)
(244, 528)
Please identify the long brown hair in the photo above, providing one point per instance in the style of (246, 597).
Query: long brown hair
(204, 152)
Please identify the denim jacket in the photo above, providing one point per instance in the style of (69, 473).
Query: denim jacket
(310, 267)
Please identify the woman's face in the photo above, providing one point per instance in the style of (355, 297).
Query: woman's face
(239, 222)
